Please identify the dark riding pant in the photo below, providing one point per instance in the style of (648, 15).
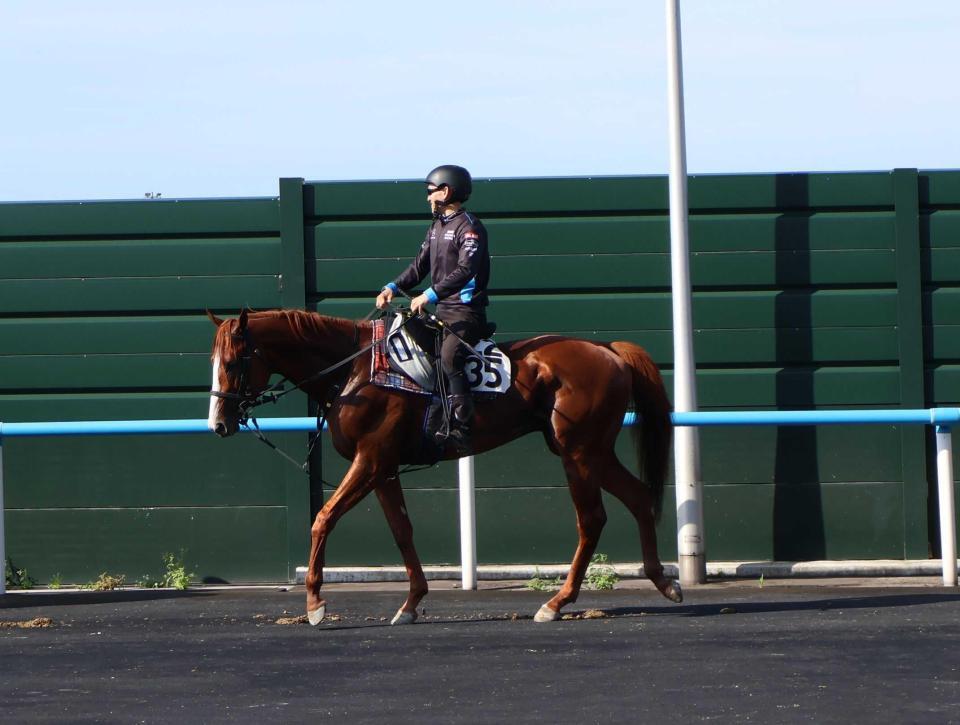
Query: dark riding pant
(469, 324)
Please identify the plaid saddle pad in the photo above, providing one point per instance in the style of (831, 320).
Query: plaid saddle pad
(381, 373)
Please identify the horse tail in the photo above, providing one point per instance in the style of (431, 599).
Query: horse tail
(653, 431)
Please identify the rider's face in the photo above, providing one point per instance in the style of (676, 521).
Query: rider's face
(437, 196)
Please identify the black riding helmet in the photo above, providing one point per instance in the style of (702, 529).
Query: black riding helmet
(456, 177)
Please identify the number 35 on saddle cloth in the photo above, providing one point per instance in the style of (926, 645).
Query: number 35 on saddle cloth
(403, 363)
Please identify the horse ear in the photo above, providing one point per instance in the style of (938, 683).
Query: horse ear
(243, 319)
(214, 319)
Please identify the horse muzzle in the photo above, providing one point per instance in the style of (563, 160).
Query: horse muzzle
(221, 421)
(224, 430)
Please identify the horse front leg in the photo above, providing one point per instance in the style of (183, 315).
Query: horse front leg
(359, 481)
(390, 495)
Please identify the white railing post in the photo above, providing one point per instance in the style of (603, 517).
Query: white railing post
(948, 539)
(468, 525)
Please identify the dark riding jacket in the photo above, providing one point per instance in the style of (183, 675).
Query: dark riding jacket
(455, 254)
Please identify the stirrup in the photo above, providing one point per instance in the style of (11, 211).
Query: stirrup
(458, 440)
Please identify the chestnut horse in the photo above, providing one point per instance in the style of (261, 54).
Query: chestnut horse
(575, 392)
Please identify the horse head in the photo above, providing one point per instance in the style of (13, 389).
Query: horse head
(239, 374)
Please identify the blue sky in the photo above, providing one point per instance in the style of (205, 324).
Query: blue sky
(208, 98)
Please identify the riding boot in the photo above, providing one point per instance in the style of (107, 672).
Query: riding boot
(461, 423)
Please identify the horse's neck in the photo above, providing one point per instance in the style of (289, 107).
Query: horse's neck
(300, 345)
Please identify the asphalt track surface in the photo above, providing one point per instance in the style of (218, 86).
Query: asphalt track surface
(825, 651)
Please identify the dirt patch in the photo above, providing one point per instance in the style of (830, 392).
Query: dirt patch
(588, 614)
(302, 619)
(39, 622)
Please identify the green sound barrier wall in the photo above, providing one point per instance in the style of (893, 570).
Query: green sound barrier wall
(810, 291)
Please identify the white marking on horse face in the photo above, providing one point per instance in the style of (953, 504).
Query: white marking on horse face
(214, 401)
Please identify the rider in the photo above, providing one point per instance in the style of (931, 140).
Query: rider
(454, 254)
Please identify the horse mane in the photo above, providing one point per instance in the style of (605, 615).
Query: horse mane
(312, 328)
(309, 329)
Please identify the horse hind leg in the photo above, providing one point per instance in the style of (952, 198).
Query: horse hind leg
(390, 495)
(633, 493)
(591, 517)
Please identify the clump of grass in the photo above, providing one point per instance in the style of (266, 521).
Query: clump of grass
(105, 582)
(175, 574)
(542, 584)
(55, 581)
(600, 575)
(15, 577)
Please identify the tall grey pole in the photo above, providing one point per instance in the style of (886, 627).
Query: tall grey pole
(690, 544)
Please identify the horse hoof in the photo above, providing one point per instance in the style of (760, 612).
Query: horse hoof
(402, 617)
(317, 615)
(546, 615)
(673, 592)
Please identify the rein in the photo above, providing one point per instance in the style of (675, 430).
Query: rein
(249, 401)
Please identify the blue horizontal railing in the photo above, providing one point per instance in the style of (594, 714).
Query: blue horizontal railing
(945, 417)
(136, 427)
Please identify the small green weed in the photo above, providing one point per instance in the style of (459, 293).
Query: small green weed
(600, 575)
(105, 582)
(15, 577)
(175, 574)
(55, 581)
(540, 584)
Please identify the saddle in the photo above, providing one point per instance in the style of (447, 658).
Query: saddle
(407, 360)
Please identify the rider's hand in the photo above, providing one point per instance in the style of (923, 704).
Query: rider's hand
(384, 298)
(419, 303)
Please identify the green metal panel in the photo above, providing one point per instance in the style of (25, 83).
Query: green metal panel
(517, 314)
(105, 335)
(57, 372)
(943, 382)
(520, 525)
(944, 305)
(944, 265)
(293, 294)
(940, 228)
(939, 188)
(297, 486)
(604, 271)
(795, 306)
(148, 294)
(139, 258)
(232, 544)
(910, 328)
(799, 302)
(110, 472)
(101, 317)
(144, 217)
(756, 192)
(765, 232)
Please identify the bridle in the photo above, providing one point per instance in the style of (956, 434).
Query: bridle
(248, 400)
(245, 396)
